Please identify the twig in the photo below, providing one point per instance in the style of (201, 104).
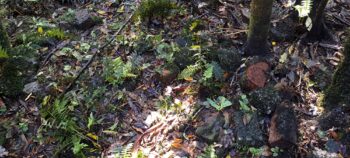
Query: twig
(95, 53)
(59, 46)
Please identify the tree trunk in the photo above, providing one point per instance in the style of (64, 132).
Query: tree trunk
(319, 30)
(259, 24)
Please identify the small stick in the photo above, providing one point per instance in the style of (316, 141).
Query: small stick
(95, 52)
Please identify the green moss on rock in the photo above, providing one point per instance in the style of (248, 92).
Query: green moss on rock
(149, 9)
(338, 93)
(4, 39)
(14, 72)
(229, 59)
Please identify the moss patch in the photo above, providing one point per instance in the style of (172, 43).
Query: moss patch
(4, 39)
(15, 71)
(338, 92)
(149, 9)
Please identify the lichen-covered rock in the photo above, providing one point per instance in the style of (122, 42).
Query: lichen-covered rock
(339, 91)
(183, 58)
(319, 153)
(283, 129)
(250, 134)
(84, 20)
(337, 118)
(265, 99)
(229, 59)
(211, 128)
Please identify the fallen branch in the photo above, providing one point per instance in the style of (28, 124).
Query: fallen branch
(95, 53)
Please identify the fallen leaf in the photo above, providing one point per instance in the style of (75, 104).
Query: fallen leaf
(92, 136)
(247, 118)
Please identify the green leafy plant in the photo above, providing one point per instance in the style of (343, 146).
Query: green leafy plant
(56, 33)
(189, 71)
(116, 71)
(149, 9)
(219, 103)
(166, 51)
(77, 145)
(3, 53)
(305, 8)
(244, 104)
(91, 121)
(256, 152)
(58, 118)
(209, 152)
(276, 151)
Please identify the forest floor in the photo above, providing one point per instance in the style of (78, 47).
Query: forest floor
(160, 89)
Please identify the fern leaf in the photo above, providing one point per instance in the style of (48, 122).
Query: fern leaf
(305, 8)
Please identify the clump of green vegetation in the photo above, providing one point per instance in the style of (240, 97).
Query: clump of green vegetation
(33, 38)
(16, 69)
(4, 39)
(3, 53)
(15, 65)
(338, 92)
(41, 38)
(116, 71)
(56, 33)
(219, 103)
(58, 119)
(150, 9)
(209, 152)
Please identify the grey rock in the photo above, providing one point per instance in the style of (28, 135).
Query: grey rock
(335, 118)
(229, 59)
(32, 87)
(333, 146)
(251, 134)
(319, 153)
(212, 128)
(265, 99)
(84, 20)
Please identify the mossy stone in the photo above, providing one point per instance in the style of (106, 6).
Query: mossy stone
(14, 72)
(149, 9)
(229, 59)
(265, 99)
(183, 58)
(338, 93)
(4, 39)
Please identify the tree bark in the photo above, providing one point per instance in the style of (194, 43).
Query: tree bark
(319, 30)
(259, 24)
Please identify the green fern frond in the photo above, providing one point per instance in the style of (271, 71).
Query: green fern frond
(3, 53)
(305, 8)
(56, 33)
